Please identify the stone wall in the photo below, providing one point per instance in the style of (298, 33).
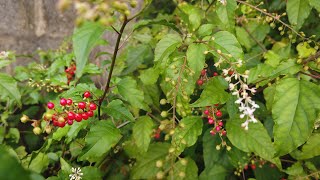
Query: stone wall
(27, 25)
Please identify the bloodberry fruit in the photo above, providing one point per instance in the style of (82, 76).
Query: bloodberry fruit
(90, 113)
(86, 94)
(203, 72)
(50, 105)
(70, 122)
(93, 106)
(71, 116)
(253, 166)
(220, 123)
(85, 116)
(210, 121)
(69, 102)
(63, 102)
(61, 124)
(82, 105)
(206, 112)
(78, 117)
(200, 82)
(215, 74)
(219, 113)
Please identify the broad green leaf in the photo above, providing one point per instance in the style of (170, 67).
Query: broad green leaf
(256, 139)
(216, 172)
(101, 137)
(193, 13)
(91, 173)
(298, 11)
(266, 173)
(60, 133)
(84, 39)
(311, 148)
(76, 147)
(144, 23)
(75, 128)
(39, 163)
(232, 108)
(166, 46)
(8, 89)
(211, 155)
(76, 92)
(269, 93)
(304, 50)
(13, 134)
(149, 76)
(186, 169)
(187, 133)
(128, 89)
(295, 170)
(213, 93)
(226, 14)
(145, 167)
(205, 30)
(137, 55)
(315, 4)
(228, 44)
(142, 132)
(272, 58)
(117, 110)
(4, 63)
(196, 58)
(65, 166)
(92, 69)
(294, 113)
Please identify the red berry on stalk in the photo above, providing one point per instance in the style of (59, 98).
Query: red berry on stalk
(61, 124)
(90, 113)
(55, 123)
(78, 117)
(203, 72)
(224, 133)
(245, 167)
(216, 105)
(200, 82)
(253, 166)
(218, 128)
(215, 74)
(157, 135)
(50, 105)
(219, 113)
(85, 116)
(69, 102)
(220, 123)
(71, 116)
(70, 122)
(63, 102)
(230, 73)
(212, 132)
(93, 106)
(81, 105)
(86, 94)
(210, 121)
(206, 112)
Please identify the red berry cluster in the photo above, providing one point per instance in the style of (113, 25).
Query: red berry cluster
(204, 77)
(212, 114)
(157, 134)
(70, 71)
(72, 111)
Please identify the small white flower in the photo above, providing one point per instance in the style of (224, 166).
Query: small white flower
(4, 54)
(228, 78)
(224, 2)
(76, 174)
(225, 71)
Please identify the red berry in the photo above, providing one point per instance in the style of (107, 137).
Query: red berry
(212, 132)
(203, 72)
(245, 167)
(210, 121)
(71, 116)
(215, 74)
(206, 112)
(67, 70)
(78, 117)
(93, 106)
(157, 135)
(55, 123)
(219, 113)
(90, 113)
(54, 117)
(220, 123)
(230, 73)
(69, 102)
(63, 102)
(61, 124)
(224, 133)
(200, 82)
(218, 128)
(216, 105)
(86, 94)
(253, 166)
(85, 116)
(82, 105)
(50, 105)
(70, 122)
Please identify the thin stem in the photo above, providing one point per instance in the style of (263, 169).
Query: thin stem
(114, 57)
(311, 58)
(311, 75)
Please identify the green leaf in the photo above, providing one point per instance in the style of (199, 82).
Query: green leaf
(294, 113)
(215, 172)
(193, 13)
(117, 110)
(256, 139)
(298, 11)
(266, 173)
(185, 166)
(196, 58)
(226, 14)
(74, 130)
(144, 23)
(39, 163)
(166, 46)
(272, 58)
(84, 39)
(311, 148)
(101, 137)
(142, 132)
(149, 76)
(65, 166)
(128, 89)
(295, 170)
(8, 89)
(4, 63)
(213, 93)
(145, 167)
(60, 133)
(228, 44)
(205, 30)
(187, 133)
(304, 50)
(91, 173)
(315, 4)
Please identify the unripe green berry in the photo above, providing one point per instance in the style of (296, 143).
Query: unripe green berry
(24, 118)
(159, 163)
(164, 114)
(163, 101)
(36, 130)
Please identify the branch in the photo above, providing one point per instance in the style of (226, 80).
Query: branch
(114, 57)
(311, 58)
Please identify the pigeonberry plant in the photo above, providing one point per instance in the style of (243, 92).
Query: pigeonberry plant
(188, 89)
